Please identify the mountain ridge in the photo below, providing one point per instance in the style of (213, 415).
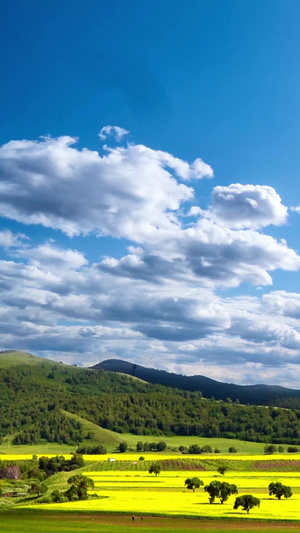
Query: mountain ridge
(257, 394)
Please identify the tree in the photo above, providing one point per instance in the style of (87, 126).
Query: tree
(154, 469)
(139, 446)
(193, 483)
(222, 469)
(232, 449)
(195, 449)
(220, 490)
(58, 497)
(270, 448)
(123, 446)
(278, 489)
(247, 501)
(37, 489)
(79, 487)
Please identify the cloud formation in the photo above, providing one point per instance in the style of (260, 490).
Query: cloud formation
(248, 206)
(114, 131)
(165, 301)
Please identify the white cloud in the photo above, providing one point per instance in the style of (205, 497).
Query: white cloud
(48, 255)
(157, 304)
(283, 303)
(252, 206)
(9, 239)
(127, 193)
(114, 131)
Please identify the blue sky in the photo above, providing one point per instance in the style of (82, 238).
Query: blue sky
(170, 237)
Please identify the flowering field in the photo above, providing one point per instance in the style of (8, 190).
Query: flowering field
(128, 492)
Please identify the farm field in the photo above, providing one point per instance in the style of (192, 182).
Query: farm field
(27, 521)
(165, 495)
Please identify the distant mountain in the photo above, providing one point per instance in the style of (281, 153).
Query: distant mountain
(252, 394)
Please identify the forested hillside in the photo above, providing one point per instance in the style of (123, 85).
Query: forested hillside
(33, 392)
(252, 394)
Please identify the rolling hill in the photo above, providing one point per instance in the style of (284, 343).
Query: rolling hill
(42, 401)
(210, 388)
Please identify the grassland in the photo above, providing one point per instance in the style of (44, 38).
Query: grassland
(112, 439)
(28, 521)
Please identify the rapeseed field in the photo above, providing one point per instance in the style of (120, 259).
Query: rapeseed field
(129, 492)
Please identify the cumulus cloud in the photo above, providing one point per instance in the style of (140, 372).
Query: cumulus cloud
(283, 303)
(129, 192)
(158, 303)
(114, 131)
(50, 256)
(251, 206)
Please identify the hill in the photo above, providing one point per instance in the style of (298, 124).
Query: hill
(42, 401)
(210, 388)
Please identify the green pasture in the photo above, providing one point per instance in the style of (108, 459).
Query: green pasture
(111, 440)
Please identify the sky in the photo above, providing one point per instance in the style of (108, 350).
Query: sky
(149, 184)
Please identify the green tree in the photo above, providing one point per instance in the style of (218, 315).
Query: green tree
(154, 469)
(222, 469)
(278, 489)
(270, 448)
(58, 497)
(195, 449)
(193, 483)
(37, 489)
(247, 501)
(220, 490)
(79, 486)
(123, 446)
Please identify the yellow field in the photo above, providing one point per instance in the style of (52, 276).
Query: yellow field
(124, 491)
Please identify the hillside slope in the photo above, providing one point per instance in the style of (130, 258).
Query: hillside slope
(38, 395)
(247, 394)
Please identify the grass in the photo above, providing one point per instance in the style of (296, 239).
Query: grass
(27, 521)
(14, 358)
(243, 447)
(112, 439)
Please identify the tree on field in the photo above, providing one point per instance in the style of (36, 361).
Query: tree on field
(270, 448)
(278, 489)
(193, 483)
(232, 449)
(79, 485)
(37, 489)
(154, 469)
(220, 490)
(58, 497)
(195, 449)
(222, 469)
(123, 446)
(247, 501)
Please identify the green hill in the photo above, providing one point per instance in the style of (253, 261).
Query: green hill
(42, 401)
